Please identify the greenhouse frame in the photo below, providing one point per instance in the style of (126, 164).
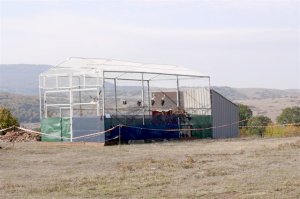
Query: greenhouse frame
(83, 96)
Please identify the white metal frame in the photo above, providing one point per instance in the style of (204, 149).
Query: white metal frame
(100, 77)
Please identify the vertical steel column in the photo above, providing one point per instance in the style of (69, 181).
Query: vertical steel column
(45, 102)
(178, 100)
(116, 99)
(211, 109)
(143, 99)
(103, 94)
(178, 94)
(40, 96)
(61, 129)
(79, 86)
(98, 95)
(45, 106)
(149, 99)
(71, 106)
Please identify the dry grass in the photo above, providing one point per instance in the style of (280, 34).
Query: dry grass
(235, 168)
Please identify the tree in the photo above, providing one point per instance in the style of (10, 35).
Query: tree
(289, 115)
(7, 119)
(244, 113)
(258, 123)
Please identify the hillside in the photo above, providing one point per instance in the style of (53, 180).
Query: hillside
(19, 92)
(24, 107)
(268, 102)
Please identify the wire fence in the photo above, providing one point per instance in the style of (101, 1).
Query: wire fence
(142, 128)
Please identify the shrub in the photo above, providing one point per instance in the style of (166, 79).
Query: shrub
(261, 122)
(244, 113)
(7, 119)
(289, 115)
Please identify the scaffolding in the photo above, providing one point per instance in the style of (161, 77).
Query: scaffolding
(112, 92)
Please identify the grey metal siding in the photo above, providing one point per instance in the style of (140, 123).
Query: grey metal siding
(224, 112)
(88, 125)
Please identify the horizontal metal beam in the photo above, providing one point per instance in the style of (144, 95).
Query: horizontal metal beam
(140, 72)
(79, 89)
(68, 87)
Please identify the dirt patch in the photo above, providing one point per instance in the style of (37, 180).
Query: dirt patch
(19, 136)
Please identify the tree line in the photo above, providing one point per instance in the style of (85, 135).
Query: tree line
(257, 125)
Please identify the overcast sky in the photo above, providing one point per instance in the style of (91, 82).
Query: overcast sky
(238, 43)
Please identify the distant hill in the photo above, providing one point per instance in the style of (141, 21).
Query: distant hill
(236, 94)
(19, 92)
(20, 78)
(24, 107)
(268, 102)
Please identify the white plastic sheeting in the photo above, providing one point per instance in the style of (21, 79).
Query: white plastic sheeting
(96, 67)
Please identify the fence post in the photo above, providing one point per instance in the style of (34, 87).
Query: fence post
(119, 135)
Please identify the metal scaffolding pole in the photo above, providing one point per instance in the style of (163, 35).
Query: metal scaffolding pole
(98, 95)
(177, 92)
(103, 94)
(45, 107)
(40, 96)
(116, 99)
(178, 99)
(71, 107)
(149, 100)
(143, 99)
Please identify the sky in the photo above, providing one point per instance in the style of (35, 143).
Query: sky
(241, 43)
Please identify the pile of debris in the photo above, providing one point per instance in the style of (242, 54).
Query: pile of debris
(19, 136)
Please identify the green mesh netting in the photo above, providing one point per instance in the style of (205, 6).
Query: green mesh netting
(57, 127)
(201, 121)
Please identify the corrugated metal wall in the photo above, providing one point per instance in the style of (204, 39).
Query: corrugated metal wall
(224, 112)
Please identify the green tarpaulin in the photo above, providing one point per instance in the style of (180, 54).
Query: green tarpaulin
(55, 127)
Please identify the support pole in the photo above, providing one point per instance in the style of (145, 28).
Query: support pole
(116, 99)
(143, 99)
(98, 95)
(103, 94)
(61, 129)
(177, 92)
(40, 96)
(149, 99)
(71, 107)
(45, 106)
(119, 135)
(80, 107)
(178, 101)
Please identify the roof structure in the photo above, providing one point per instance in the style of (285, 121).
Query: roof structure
(93, 66)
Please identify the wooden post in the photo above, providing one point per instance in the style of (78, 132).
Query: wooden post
(119, 135)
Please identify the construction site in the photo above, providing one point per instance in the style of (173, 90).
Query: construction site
(81, 97)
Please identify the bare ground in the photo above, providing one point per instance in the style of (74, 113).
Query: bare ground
(235, 168)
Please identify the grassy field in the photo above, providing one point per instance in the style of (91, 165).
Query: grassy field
(235, 168)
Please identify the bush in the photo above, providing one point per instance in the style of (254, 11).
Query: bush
(289, 115)
(260, 121)
(7, 119)
(244, 113)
